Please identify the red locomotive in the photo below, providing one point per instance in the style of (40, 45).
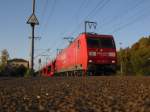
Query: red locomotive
(87, 54)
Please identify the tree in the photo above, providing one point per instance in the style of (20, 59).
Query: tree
(140, 56)
(4, 57)
(124, 62)
(136, 60)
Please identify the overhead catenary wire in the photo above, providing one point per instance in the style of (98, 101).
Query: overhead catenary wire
(98, 6)
(76, 15)
(50, 15)
(139, 13)
(136, 19)
(119, 16)
(43, 11)
(46, 15)
(82, 6)
(50, 8)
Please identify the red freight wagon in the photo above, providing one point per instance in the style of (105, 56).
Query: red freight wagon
(92, 53)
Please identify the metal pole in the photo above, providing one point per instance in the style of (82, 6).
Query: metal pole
(85, 26)
(32, 21)
(33, 8)
(32, 41)
(121, 69)
(32, 48)
(121, 60)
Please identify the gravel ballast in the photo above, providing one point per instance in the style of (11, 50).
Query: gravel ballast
(75, 94)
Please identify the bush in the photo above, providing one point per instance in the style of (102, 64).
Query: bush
(13, 71)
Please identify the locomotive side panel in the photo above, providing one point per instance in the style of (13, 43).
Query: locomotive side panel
(74, 57)
(81, 53)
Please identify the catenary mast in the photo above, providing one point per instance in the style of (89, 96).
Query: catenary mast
(32, 21)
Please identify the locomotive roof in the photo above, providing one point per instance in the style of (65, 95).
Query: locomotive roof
(95, 34)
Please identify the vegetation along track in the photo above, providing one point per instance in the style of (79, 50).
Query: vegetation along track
(75, 94)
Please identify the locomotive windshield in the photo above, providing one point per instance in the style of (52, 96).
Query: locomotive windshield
(92, 43)
(107, 43)
(100, 43)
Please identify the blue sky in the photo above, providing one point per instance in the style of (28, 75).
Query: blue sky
(126, 20)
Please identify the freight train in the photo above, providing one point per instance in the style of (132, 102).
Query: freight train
(88, 54)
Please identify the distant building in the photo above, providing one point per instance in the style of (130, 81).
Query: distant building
(18, 62)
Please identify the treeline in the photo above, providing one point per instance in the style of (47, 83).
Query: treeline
(135, 60)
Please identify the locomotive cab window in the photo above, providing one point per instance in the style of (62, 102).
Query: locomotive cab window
(107, 43)
(100, 42)
(92, 43)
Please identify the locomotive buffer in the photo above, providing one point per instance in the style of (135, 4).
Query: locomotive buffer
(32, 21)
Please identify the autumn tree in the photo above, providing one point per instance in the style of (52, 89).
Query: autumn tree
(124, 61)
(136, 60)
(140, 56)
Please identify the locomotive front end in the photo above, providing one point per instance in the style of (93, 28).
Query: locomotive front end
(102, 55)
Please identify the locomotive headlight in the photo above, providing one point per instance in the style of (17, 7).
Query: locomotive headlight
(90, 61)
(92, 53)
(113, 61)
(112, 54)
